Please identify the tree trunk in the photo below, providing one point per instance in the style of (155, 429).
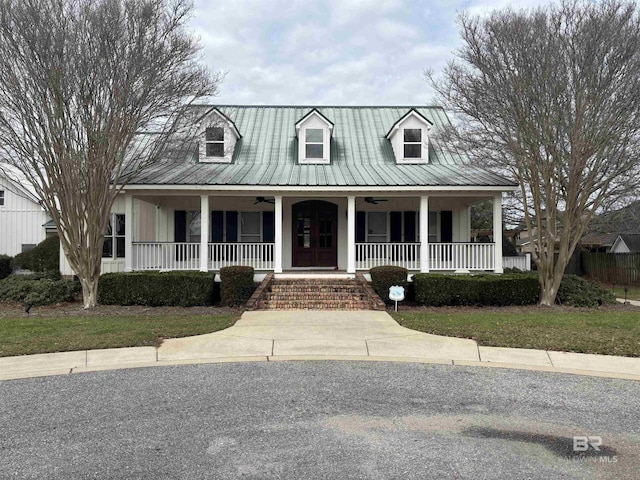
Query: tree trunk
(89, 291)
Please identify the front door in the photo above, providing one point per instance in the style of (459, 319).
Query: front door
(315, 234)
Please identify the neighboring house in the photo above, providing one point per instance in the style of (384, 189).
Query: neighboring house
(626, 243)
(22, 219)
(598, 242)
(289, 188)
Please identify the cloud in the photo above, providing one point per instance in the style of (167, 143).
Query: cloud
(330, 51)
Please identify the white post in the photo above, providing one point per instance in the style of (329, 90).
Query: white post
(277, 254)
(128, 233)
(351, 234)
(424, 234)
(204, 233)
(497, 232)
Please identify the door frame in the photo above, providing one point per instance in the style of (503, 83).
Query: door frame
(316, 206)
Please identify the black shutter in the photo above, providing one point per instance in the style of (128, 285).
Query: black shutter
(395, 221)
(361, 227)
(268, 227)
(217, 226)
(410, 226)
(446, 226)
(180, 226)
(232, 227)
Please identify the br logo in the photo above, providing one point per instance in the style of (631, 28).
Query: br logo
(582, 443)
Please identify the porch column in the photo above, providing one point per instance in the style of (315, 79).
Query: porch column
(277, 237)
(351, 234)
(204, 233)
(424, 234)
(128, 233)
(497, 232)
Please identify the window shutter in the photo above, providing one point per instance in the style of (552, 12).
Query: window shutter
(217, 226)
(232, 227)
(268, 227)
(395, 220)
(180, 226)
(446, 226)
(360, 227)
(410, 226)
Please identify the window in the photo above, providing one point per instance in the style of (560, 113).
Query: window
(114, 237)
(193, 227)
(28, 246)
(250, 226)
(377, 227)
(1, 198)
(433, 227)
(214, 137)
(412, 143)
(314, 143)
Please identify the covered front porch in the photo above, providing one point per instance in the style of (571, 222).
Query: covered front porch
(281, 231)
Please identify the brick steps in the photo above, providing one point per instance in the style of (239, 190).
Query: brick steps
(315, 294)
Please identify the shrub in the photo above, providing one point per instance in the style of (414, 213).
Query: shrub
(5, 266)
(183, 289)
(386, 276)
(237, 285)
(577, 292)
(497, 290)
(37, 290)
(45, 257)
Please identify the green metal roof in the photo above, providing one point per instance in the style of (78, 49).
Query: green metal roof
(267, 153)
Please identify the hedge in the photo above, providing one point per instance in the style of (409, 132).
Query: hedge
(37, 290)
(237, 285)
(5, 266)
(496, 290)
(155, 289)
(44, 257)
(386, 276)
(502, 290)
(578, 292)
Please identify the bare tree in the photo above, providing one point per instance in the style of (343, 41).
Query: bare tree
(552, 96)
(92, 91)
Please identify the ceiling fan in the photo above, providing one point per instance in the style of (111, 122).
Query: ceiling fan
(264, 200)
(374, 201)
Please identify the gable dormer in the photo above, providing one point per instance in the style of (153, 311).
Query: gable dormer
(314, 132)
(217, 136)
(409, 137)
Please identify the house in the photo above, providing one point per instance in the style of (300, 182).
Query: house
(22, 218)
(626, 243)
(291, 188)
(598, 242)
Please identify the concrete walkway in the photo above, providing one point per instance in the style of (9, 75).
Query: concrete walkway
(317, 335)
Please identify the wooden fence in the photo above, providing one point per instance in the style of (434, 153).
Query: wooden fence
(612, 268)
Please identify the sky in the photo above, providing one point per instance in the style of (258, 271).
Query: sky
(331, 52)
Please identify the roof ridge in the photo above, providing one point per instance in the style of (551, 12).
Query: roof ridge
(315, 106)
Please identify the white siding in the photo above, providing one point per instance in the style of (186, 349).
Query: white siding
(21, 221)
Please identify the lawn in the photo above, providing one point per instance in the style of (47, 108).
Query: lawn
(632, 294)
(604, 332)
(27, 335)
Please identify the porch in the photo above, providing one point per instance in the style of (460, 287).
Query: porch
(287, 231)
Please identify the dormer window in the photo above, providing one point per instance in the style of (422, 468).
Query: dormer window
(412, 143)
(214, 139)
(409, 138)
(314, 143)
(314, 132)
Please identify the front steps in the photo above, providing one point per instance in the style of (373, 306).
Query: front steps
(315, 294)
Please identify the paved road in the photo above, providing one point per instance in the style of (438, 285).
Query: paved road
(318, 420)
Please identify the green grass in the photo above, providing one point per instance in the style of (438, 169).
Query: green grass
(604, 332)
(20, 336)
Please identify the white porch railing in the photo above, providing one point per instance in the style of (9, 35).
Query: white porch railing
(521, 262)
(186, 256)
(256, 255)
(369, 255)
(461, 256)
